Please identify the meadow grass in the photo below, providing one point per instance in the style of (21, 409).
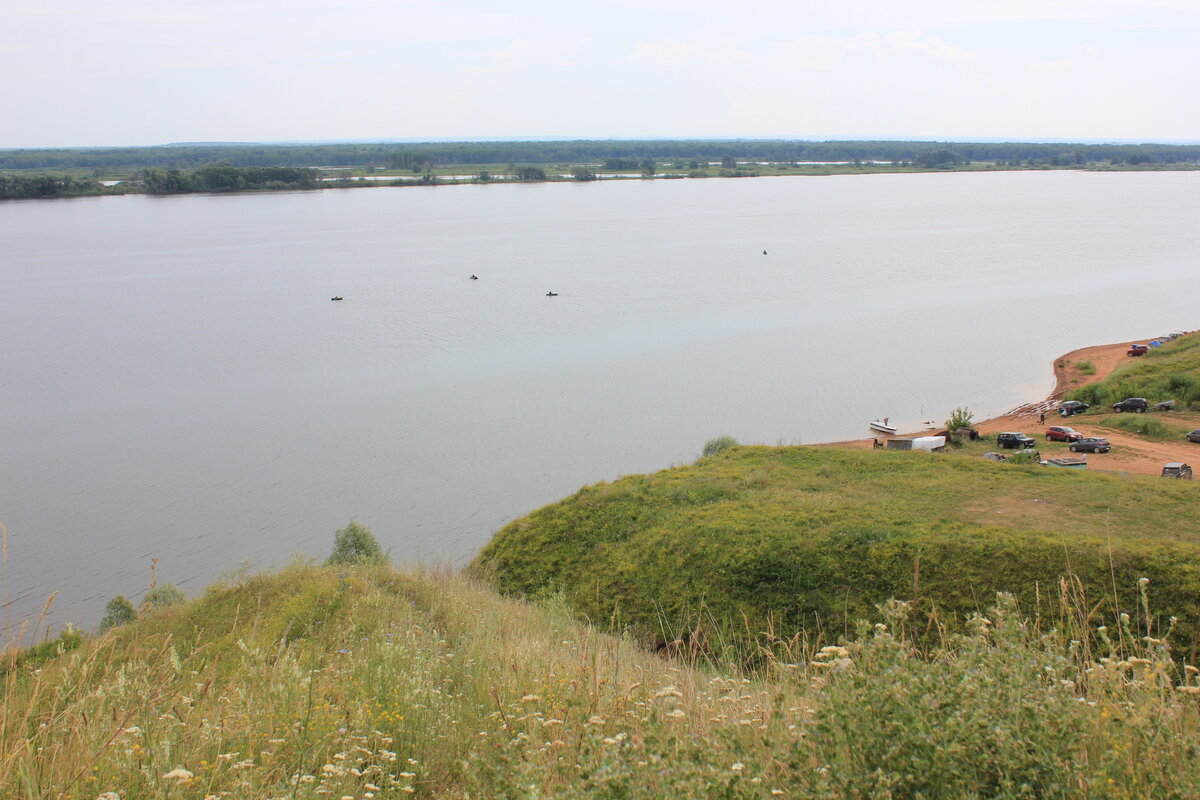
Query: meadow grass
(1144, 425)
(368, 683)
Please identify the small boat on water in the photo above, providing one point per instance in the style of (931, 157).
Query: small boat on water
(882, 426)
(336, 297)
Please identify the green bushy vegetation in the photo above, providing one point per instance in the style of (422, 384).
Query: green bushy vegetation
(227, 178)
(808, 539)
(168, 594)
(960, 418)
(718, 445)
(118, 612)
(355, 544)
(42, 185)
(1170, 372)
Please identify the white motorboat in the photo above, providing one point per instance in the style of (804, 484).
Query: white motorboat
(882, 426)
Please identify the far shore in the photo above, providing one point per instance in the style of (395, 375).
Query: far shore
(1129, 454)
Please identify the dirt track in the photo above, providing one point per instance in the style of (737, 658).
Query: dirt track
(1129, 453)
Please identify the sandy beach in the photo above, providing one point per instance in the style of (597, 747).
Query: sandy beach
(1129, 453)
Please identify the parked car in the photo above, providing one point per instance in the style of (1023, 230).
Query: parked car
(1090, 444)
(1165, 405)
(1014, 440)
(1069, 407)
(1137, 350)
(1138, 404)
(1194, 436)
(1061, 433)
(1177, 469)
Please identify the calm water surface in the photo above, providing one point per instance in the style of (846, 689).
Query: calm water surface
(176, 384)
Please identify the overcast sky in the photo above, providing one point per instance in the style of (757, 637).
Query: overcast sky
(82, 72)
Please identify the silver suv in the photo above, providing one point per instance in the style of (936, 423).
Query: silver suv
(1177, 470)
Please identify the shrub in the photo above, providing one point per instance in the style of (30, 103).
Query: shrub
(355, 544)
(1024, 457)
(959, 418)
(1085, 367)
(163, 596)
(118, 612)
(718, 445)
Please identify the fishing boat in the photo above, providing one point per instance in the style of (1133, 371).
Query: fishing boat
(882, 426)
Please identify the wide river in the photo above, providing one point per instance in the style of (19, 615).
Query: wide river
(176, 384)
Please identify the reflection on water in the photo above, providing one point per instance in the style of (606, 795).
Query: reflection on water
(177, 384)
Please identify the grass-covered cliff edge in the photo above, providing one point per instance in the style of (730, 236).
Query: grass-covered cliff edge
(802, 538)
(362, 682)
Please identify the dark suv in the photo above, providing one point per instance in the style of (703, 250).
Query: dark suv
(1137, 404)
(1069, 407)
(1014, 440)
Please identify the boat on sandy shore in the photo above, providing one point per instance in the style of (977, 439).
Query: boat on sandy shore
(882, 426)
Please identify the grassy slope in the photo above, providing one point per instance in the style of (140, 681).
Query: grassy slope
(813, 538)
(1170, 372)
(366, 683)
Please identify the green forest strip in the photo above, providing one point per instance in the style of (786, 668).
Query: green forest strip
(181, 169)
(409, 155)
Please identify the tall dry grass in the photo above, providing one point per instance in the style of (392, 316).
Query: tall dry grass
(370, 683)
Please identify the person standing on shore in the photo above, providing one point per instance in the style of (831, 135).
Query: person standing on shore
(1042, 418)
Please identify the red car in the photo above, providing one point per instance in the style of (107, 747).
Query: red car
(1061, 433)
(1137, 350)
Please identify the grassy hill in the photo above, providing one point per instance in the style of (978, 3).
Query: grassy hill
(1170, 372)
(366, 683)
(810, 539)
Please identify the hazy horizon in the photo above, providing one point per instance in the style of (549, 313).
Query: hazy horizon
(146, 72)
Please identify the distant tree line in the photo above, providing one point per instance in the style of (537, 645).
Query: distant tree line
(227, 178)
(16, 187)
(611, 154)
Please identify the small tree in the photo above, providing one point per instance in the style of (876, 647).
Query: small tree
(354, 544)
(584, 173)
(717, 445)
(118, 612)
(959, 418)
(163, 596)
(648, 168)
